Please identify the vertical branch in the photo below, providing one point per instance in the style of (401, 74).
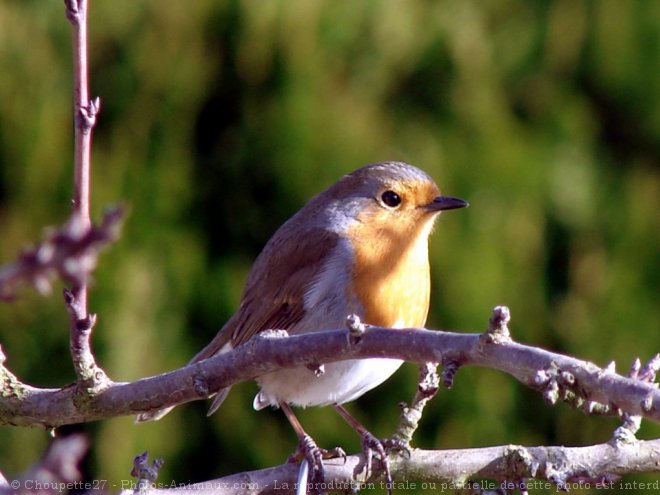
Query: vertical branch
(84, 111)
(411, 415)
(83, 116)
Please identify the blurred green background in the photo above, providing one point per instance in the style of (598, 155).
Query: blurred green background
(221, 118)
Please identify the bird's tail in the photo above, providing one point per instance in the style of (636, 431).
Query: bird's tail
(219, 345)
(218, 399)
(152, 415)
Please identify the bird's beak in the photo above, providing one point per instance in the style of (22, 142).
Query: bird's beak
(446, 203)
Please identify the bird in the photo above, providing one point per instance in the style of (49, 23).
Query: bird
(358, 248)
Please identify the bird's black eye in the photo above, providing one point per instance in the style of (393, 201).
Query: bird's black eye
(391, 199)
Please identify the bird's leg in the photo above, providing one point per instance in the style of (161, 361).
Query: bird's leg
(307, 448)
(370, 444)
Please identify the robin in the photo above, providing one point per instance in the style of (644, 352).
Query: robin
(359, 247)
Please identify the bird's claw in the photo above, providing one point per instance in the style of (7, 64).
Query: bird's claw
(397, 445)
(314, 455)
(371, 445)
(382, 448)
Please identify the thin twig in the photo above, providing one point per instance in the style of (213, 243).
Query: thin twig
(67, 252)
(427, 388)
(145, 473)
(84, 111)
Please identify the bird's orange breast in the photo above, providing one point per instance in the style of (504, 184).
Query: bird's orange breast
(391, 274)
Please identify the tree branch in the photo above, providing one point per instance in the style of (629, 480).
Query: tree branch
(506, 467)
(84, 111)
(577, 382)
(69, 251)
(411, 415)
(56, 472)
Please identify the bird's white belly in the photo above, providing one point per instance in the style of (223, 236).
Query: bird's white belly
(342, 381)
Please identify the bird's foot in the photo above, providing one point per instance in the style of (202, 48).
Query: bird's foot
(396, 445)
(310, 452)
(371, 445)
(382, 448)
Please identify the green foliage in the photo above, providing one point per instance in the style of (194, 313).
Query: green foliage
(219, 120)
